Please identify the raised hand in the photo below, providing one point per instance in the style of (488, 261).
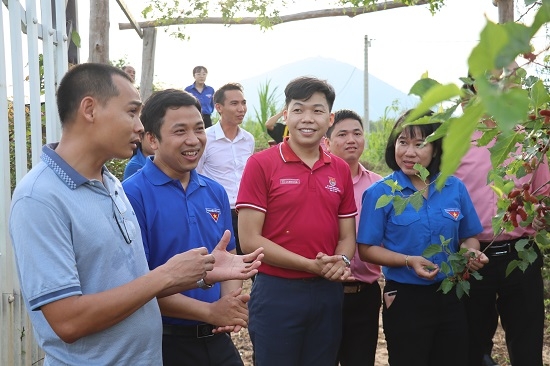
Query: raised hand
(186, 268)
(231, 266)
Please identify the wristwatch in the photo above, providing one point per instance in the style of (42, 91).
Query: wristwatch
(203, 285)
(346, 260)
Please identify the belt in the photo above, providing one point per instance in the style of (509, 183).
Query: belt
(500, 248)
(354, 287)
(191, 331)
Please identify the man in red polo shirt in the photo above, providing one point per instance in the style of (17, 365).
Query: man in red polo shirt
(297, 202)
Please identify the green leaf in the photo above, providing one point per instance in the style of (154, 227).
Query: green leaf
(444, 242)
(519, 37)
(493, 39)
(476, 275)
(539, 94)
(542, 238)
(446, 285)
(462, 287)
(439, 133)
(502, 148)
(423, 172)
(399, 204)
(416, 200)
(542, 17)
(75, 37)
(437, 94)
(454, 146)
(384, 200)
(422, 86)
(529, 2)
(393, 184)
(432, 250)
(523, 265)
(445, 268)
(511, 266)
(487, 137)
(507, 106)
(521, 244)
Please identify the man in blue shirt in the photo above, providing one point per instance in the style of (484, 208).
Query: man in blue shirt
(177, 210)
(204, 93)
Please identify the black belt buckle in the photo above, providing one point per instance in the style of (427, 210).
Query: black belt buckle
(204, 330)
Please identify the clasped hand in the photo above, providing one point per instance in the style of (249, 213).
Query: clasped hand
(332, 267)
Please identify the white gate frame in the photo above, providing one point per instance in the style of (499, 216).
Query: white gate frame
(35, 20)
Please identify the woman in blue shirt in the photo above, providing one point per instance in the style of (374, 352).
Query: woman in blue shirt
(423, 326)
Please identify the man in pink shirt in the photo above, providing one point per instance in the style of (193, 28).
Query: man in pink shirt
(362, 297)
(518, 297)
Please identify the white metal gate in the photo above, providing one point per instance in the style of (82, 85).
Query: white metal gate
(28, 30)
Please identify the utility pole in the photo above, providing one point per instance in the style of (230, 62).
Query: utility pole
(366, 87)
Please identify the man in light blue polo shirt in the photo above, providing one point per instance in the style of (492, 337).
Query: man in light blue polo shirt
(78, 248)
(179, 210)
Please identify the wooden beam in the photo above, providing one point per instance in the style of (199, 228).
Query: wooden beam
(133, 22)
(148, 63)
(323, 13)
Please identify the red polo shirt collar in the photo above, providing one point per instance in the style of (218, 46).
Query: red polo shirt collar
(288, 155)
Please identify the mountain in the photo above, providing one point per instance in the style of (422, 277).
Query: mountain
(346, 79)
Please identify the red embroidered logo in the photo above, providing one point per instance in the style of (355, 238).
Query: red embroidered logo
(214, 213)
(453, 212)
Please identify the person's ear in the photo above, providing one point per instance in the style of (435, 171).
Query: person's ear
(151, 140)
(87, 108)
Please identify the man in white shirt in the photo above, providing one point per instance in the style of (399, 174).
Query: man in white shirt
(228, 145)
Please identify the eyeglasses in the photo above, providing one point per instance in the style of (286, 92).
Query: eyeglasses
(126, 227)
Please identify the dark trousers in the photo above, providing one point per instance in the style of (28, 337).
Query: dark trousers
(217, 350)
(360, 321)
(519, 299)
(295, 322)
(207, 120)
(424, 327)
(235, 222)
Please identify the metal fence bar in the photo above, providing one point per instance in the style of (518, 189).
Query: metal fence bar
(17, 344)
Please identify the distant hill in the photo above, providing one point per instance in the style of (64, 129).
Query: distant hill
(346, 79)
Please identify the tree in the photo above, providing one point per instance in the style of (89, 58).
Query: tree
(99, 31)
(265, 13)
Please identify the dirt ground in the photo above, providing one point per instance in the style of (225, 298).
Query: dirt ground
(500, 354)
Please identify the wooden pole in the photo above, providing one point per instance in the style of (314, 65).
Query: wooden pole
(99, 31)
(505, 11)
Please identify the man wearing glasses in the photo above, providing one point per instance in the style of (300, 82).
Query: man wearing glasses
(84, 277)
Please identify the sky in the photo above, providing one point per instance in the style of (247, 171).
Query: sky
(405, 43)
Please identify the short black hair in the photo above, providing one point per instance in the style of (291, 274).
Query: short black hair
(88, 79)
(341, 115)
(425, 130)
(154, 109)
(198, 69)
(219, 95)
(303, 87)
